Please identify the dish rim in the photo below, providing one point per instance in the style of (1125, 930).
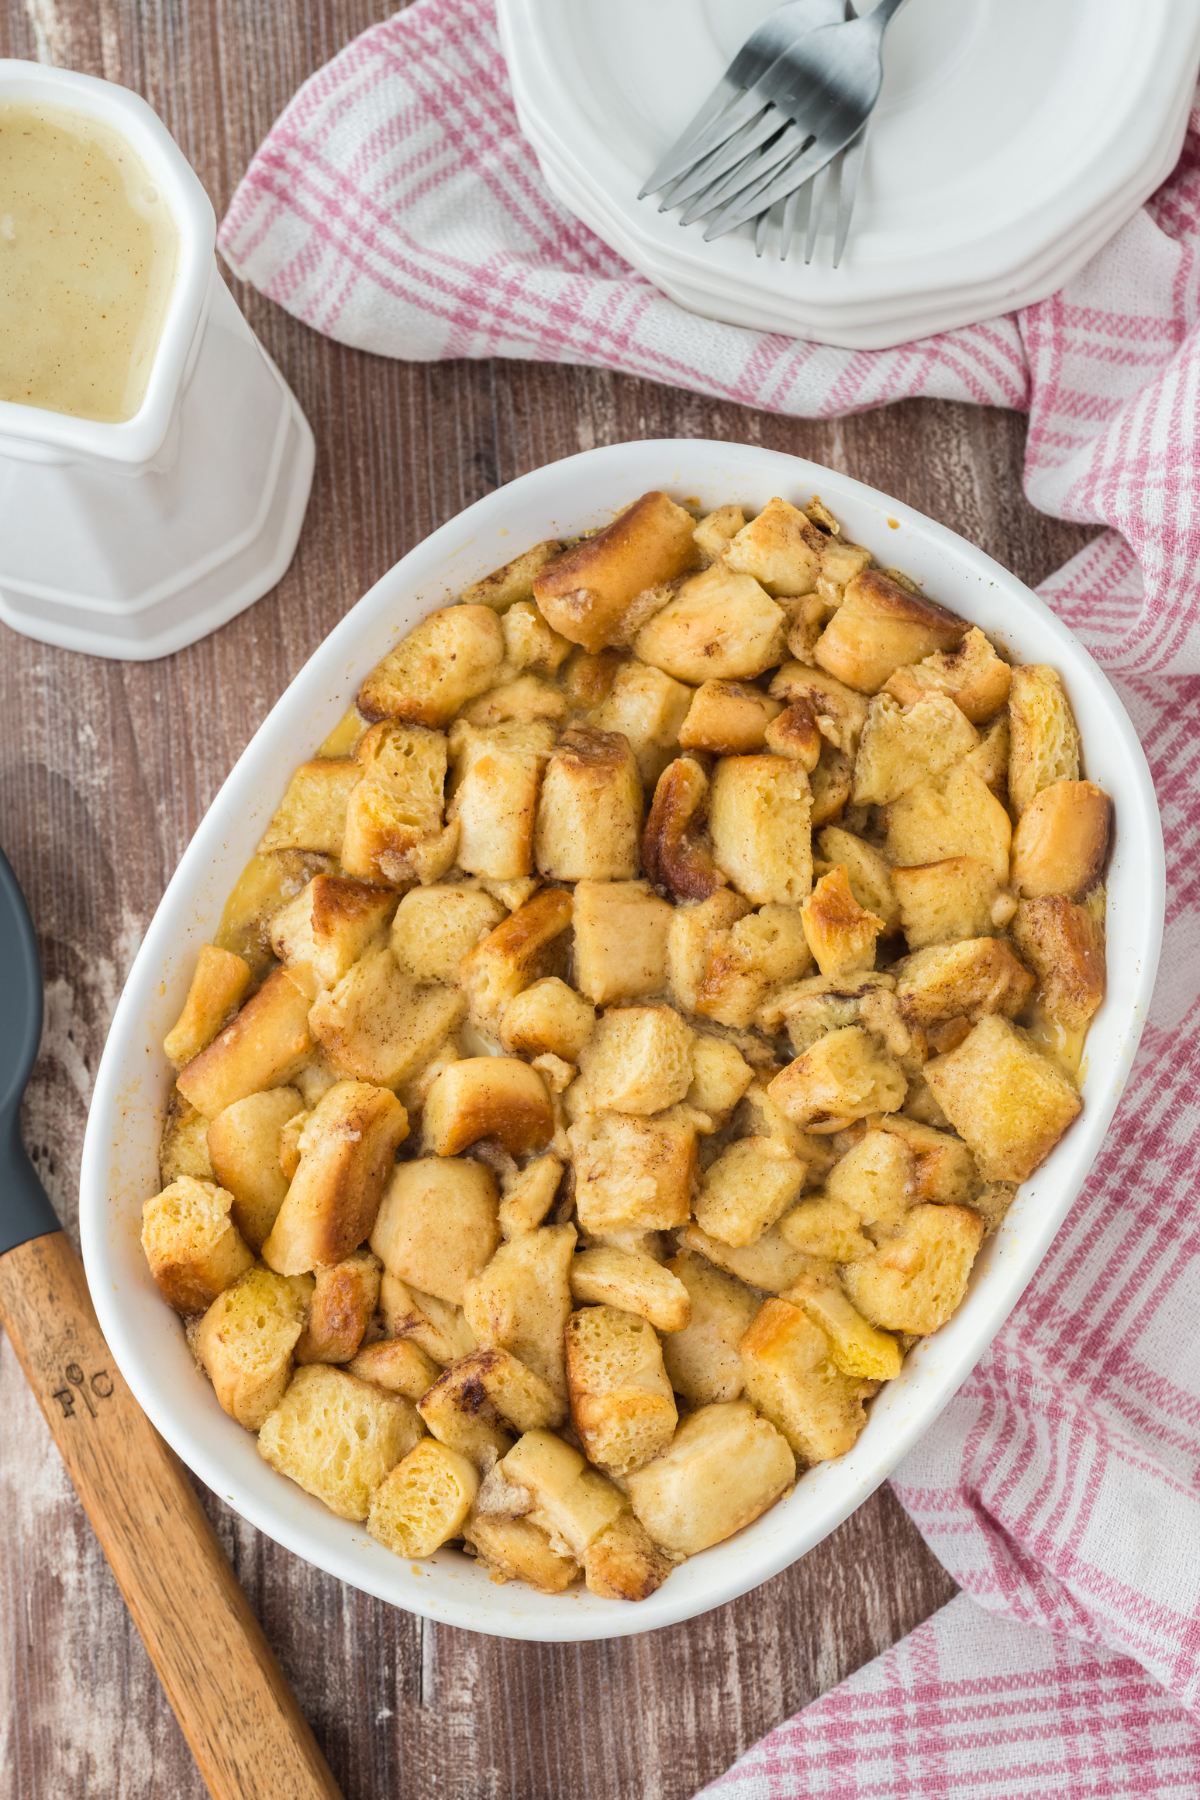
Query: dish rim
(579, 489)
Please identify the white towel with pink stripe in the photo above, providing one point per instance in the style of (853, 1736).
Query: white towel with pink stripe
(396, 207)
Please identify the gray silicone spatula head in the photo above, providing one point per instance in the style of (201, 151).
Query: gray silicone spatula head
(25, 1212)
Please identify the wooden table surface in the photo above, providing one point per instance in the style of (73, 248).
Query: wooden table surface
(105, 770)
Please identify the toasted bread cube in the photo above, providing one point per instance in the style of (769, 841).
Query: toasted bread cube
(840, 712)
(781, 548)
(867, 870)
(840, 933)
(942, 1169)
(192, 1245)
(875, 1180)
(697, 934)
(620, 940)
(520, 1397)
(1044, 744)
(1063, 943)
(758, 1116)
(610, 1276)
(312, 813)
(267, 882)
(1061, 840)
(183, 1147)
(343, 1303)
(515, 953)
(337, 1437)
(512, 581)
(830, 782)
(856, 1347)
(521, 1301)
(1007, 1101)
(589, 816)
(840, 563)
(720, 625)
(632, 1174)
(529, 643)
(498, 773)
(747, 1189)
(756, 953)
(963, 980)
(647, 708)
(379, 1025)
(795, 733)
(347, 1150)
(808, 1009)
(586, 678)
(621, 1401)
(243, 1146)
(245, 1342)
(728, 718)
(701, 1358)
(424, 1501)
(674, 849)
(488, 1097)
(434, 928)
(219, 981)
(972, 675)
(394, 815)
(825, 1228)
(549, 1016)
(793, 1380)
(328, 926)
(843, 1076)
(570, 1502)
(435, 1326)
(437, 1224)
(902, 746)
(955, 814)
(522, 701)
(529, 1194)
(397, 1364)
(760, 813)
(769, 1263)
(720, 1076)
(624, 1563)
(941, 902)
(881, 627)
(725, 1467)
(915, 1280)
(716, 529)
(518, 1550)
(587, 592)
(459, 1412)
(450, 657)
(263, 1047)
(638, 1059)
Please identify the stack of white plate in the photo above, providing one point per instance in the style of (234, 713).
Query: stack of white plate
(1011, 140)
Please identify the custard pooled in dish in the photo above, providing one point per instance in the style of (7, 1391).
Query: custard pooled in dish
(637, 1014)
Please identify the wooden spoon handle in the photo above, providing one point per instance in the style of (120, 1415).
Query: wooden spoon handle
(237, 1712)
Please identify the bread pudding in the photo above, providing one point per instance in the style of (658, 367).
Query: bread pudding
(637, 1014)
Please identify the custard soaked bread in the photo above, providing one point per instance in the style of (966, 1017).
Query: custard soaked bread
(625, 1037)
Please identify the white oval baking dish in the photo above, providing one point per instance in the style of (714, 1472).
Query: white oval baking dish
(120, 1149)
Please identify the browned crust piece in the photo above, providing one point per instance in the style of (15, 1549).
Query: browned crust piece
(674, 853)
(585, 593)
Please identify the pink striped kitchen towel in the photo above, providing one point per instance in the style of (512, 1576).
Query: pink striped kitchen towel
(396, 207)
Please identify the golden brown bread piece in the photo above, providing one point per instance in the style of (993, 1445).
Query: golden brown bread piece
(845, 1075)
(1061, 841)
(620, 945)
(498, 774)
(648, 709)
(436, 1226)
(1044, 739)
(780, 547)
(245, 1343)
(760, 816)
(394, 829)
(589, 815)
(263, 1047)
(337, 1437)
(380, 1025)
(586, 592)
(423, 1502)
(794, 1382)
(521, 948)
(621, 1401)
(632, 1174)
(881, 627)
(328, 926)
(914, 1280)
(841, 934)
(725, 1466)
(637, 1060)
(943, 901)
(1004, 1098)
(963, 980)
(244, 1144)
(512, 581)
(719, 625)
(972, 674)
(674, 849)
(1063, 943)
(444, 661)
(340, 1308)
(192, 1245)
(727, 718)
(795, 733)
(312, 814)
(219, 982)
(347, 1149)
(497, 1097)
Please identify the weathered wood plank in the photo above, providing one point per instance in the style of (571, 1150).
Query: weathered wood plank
(105, 770)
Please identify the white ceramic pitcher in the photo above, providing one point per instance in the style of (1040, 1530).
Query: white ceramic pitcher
(133, 539)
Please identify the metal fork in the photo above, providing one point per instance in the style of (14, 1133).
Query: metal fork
(762, 48)
(819, 96)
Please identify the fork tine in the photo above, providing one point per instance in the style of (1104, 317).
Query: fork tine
(852, 162)
(795, 203)
(756, 166)
(761, 230)
(776, 187)
(820, 194)
(729, 155)
(684, 152)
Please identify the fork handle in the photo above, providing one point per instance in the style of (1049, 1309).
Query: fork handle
(238, 1714)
